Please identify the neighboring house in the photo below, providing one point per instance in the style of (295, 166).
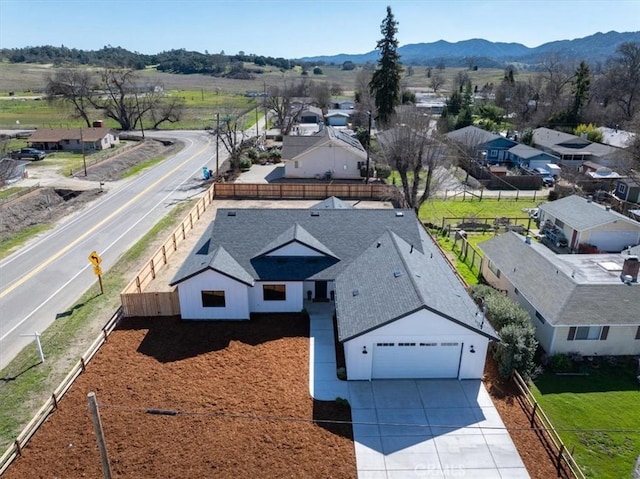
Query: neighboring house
(342, 104)
(311, 114)
(330, 153)
(616, 137)
(574, 150)
(526, 156)
(577, 303)
(585, 222)
(12, 171)
(73, 139)
(337, 117)
(627, 190)
(401, 311)
(483, 144)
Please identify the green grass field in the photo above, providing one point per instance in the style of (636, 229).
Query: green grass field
(432, 211)
(597, 416)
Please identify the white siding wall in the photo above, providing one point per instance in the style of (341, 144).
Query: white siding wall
(295, 249)
(422, 325)
(342, 163)
(293, 303)
(236, 297)
(620, 341)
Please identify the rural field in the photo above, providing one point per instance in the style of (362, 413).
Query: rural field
(204, 95)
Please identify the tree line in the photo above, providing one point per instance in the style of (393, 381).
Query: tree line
(172, 61)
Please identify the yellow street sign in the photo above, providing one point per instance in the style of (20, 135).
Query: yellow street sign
(95, 258)
(97, 270)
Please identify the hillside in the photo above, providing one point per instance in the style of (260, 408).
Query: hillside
(594, 48)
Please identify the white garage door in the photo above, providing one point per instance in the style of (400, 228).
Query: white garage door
(416, 359)
(613, 241)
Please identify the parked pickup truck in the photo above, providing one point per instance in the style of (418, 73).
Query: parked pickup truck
(28, 153)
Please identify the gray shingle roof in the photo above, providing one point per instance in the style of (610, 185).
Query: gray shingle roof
(332, 203)
(565, 143)
(472, 136)
(525, 151)
(545, 280)
(394, 279)
(344, 232)
(581, 214)
(298, 234)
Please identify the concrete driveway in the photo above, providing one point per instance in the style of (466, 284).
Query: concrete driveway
(438, 428)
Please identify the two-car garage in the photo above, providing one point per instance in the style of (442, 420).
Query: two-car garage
(416, 359)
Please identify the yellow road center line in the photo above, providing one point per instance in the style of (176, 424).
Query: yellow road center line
(82, 237)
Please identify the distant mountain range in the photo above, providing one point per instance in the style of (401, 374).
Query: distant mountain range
(594, 48)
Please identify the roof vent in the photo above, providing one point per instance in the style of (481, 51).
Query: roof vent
(589, 199)
(355, 292)
(378, 244)
(231, 213)
(630, 269)
(607, 208)
(397, 274)
(315, 213)
(399, 214)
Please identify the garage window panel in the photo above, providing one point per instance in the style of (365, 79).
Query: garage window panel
(449, 344)
(383, 345)
(428, 344)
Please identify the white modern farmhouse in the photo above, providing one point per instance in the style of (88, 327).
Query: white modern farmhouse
(401, 310)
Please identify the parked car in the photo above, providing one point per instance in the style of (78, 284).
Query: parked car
(547, 178)
(28, 153)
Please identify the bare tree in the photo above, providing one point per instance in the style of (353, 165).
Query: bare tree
(231, 131)
(437, 81)
(320, 94)
(557, 76)
(280, 101)
(364, 101)
(73, 86)
(623, 75)
(118, 93)
(412, 147)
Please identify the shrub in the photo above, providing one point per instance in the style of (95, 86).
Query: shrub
(275, 154)
(244, 163)
(383, 171)
(252, 154)
(561, 363)
(516, 350)
(480, 291)
(502, 312)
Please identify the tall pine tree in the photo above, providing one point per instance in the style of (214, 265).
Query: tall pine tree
(385, 83)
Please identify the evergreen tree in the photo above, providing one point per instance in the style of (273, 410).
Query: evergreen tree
(385, 83)
(580, 90)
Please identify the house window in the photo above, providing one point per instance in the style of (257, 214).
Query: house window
(493, 153)
(540, 318)
(622, 188)
(559, 224)
(588, 333)
(638, 333)
(515, 291)
(493, 268)
(213, 299)
(274, 292)
(296, 164)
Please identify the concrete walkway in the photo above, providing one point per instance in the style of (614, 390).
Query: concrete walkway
(414, 428)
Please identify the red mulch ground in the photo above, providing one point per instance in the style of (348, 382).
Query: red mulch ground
(532, 445)
(243, 388)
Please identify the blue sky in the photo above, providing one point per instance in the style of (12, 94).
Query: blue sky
(297, 28)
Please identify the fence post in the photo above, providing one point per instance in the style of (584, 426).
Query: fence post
(175, 244)
(499, 194)
(534, 194)
(184, 236)
(517, 194)
(559, 464)
(164, 254)
(153, 269)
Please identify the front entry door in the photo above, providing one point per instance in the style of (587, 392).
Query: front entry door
(321, 290)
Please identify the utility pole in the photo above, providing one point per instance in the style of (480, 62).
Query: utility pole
(257, 130)
(84, 156)
(139, 116)
(97, 425)
(217, 144)
(368, 147)
(266, 118)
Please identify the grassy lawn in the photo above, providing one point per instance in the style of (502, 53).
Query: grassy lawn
(25, 382)
(434, 210)
(588, 410)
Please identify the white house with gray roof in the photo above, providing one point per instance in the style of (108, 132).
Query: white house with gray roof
(588, 304)
(585, 222)
(329, 153)
(401, 310)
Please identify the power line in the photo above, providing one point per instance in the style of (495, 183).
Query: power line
(255, 417)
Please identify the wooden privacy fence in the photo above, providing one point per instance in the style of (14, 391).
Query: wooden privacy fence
(51, 404)
(566, 465)
(135, 302)
(468, 254)
(305, 191)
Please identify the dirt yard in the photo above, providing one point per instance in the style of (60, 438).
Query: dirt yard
(240, 391)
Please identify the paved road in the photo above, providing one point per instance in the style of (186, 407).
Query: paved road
(46, 277)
